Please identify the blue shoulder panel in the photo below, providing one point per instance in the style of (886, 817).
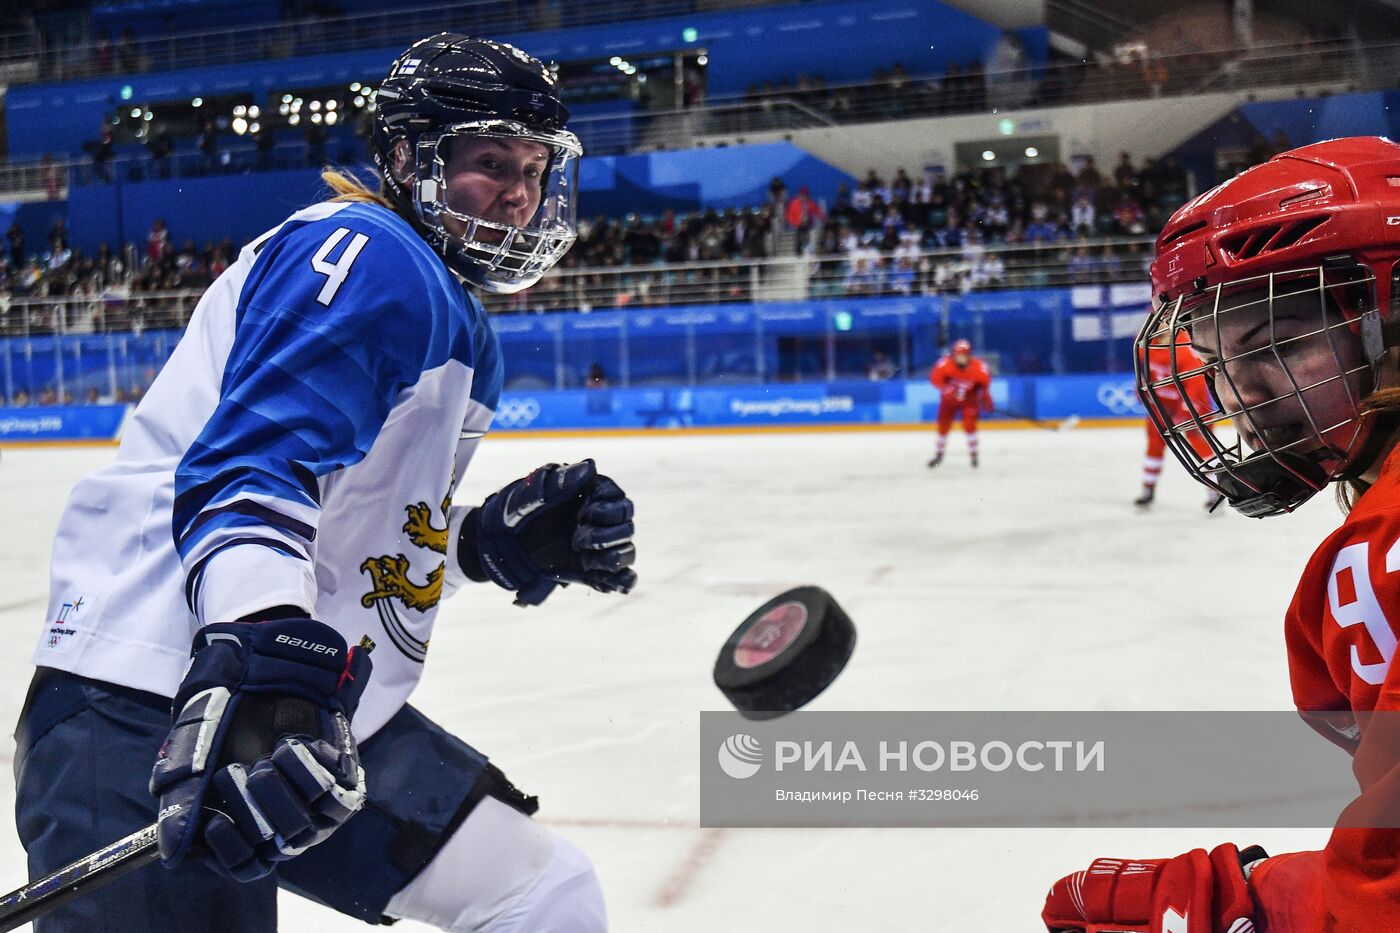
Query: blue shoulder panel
(336, 319)
(489, 369)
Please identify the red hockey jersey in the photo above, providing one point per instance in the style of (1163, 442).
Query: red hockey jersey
(1341, 634)
(1160, 368)
(961, 385)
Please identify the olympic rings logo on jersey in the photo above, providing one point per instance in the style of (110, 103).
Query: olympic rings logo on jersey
(1120, 398)
(517, 413)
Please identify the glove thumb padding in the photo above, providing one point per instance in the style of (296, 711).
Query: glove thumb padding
(572, 480)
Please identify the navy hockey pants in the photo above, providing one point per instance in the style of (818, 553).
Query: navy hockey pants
(84, 755)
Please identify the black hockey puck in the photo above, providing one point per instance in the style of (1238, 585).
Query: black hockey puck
(784, 654)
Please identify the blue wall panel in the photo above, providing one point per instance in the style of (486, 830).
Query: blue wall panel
(735, 176)
(850, 40)
(243, 206)
(201, 209)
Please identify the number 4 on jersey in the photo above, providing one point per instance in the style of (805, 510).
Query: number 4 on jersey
(336, 272)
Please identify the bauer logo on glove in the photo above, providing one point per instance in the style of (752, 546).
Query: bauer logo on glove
(260, 764)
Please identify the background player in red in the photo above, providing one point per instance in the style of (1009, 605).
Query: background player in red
(1285, 277)
(1162, 362)
(965, 388)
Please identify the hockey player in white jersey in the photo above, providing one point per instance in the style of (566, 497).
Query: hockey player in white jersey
(282, 499)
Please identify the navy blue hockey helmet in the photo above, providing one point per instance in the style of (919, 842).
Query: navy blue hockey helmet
(451, 90)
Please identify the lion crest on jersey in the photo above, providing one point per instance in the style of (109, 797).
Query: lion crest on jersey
(389, 576)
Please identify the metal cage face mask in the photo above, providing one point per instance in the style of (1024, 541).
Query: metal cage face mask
(1287, 358)
(492, 253)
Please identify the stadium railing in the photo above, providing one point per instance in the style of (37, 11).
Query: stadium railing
(25, 60)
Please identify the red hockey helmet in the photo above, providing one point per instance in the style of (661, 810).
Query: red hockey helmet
(1282, 278)
(961, 346)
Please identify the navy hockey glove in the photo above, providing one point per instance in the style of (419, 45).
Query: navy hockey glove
(561, 524)
(260, 764)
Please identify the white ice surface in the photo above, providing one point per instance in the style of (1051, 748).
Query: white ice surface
(1031, 583)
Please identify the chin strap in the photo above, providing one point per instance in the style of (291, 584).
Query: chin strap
(1266, 483)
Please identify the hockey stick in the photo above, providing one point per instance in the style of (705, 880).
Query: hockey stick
(1064, 424)
(88, 873)
(112, 861)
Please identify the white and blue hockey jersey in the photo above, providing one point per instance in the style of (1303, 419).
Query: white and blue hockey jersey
(300, 447)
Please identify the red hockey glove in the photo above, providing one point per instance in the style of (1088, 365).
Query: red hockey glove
(1192, 893)
(986, 404)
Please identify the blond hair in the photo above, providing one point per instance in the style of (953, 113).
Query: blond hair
(346, 187)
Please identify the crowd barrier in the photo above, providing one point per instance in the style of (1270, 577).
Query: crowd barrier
(831, 404)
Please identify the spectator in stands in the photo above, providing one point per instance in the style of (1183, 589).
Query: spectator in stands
(161, 147)
(1173, 179)
(1089, 177)
(209, 146)
(157, 241)
(1125, 175)
(900, 280)
(777, 197)
(15, 239)
(901, 186)
(802, 214)
(1128, 216)
(58, 236)
(880, 367)
(49, 173)
(597, 378)
(106, 267)
(692, 88)
(103, 151)
(1041, 228)
(1109, 265)
(863, 260)
(1081, 265)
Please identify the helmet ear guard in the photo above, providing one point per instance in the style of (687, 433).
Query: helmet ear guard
(400, 160)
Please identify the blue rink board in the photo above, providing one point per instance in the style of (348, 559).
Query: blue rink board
(851, 402)
(833, 403)
(62, 422)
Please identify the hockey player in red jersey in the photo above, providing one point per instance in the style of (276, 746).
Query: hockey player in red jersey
(965, 389)
(1285, 277)
(1162, 362)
